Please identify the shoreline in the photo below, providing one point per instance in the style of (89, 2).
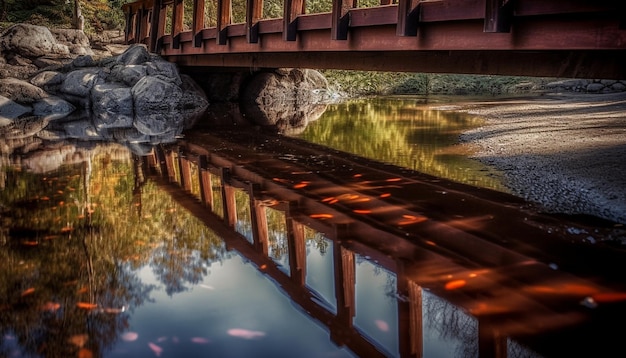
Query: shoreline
(563, 151)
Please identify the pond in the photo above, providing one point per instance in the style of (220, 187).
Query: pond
(113, 253)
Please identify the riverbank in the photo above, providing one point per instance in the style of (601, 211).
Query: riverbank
(565, 152)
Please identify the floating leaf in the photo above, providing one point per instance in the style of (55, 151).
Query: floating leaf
(86, 305)
(156, 349)
(85, 353)
(453, 285)
(79, 340)
(130, 336)
(321, 216)
(245, 333)
(28, 291)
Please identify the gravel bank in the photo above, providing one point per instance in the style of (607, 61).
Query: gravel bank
(566, 152)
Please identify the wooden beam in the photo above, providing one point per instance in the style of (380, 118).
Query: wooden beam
(498, 16)
(340, 18)
(254, 13)
(198, 22)
(144, 21)
(408, 17)
(157, 25)
(292, 9)
(177, 22)
(129, 32)
(224, 16)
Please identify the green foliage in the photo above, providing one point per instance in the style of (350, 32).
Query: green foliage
(99, 14)
(365, 83)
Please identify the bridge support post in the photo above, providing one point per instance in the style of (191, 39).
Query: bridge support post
(177, 22)
(408, 17)
(254, 12)
(224, 13)
(157, 26)
(198, 22)
(498, 15)
(129, 31)
(340, 19)
(292, 9)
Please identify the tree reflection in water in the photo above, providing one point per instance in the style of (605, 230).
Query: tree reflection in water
(71, 240)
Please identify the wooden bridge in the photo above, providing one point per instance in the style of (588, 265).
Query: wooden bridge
(575, 38)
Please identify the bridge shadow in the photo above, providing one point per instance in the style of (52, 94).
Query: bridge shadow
(486, 256)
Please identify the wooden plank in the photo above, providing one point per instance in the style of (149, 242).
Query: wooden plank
(375, 16)
(145, 25)
(340, 18)
(292, 9)
(129, 31)
(198, 22)
(157, 25)
(498, 15)
(254, 13)
(224, 17)
(178, 14)
(408, 17)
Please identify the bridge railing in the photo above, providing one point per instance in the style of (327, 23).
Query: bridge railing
(147, 20)
(554, 38)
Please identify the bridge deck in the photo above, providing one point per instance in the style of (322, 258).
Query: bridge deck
(524, 37)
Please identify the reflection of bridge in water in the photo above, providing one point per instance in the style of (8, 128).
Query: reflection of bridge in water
(509, 268)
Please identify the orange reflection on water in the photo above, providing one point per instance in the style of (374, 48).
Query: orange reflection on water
(411, 219)
(301, 185)
(453, 285)
(321, 216)
(607, 297)
(563, 289)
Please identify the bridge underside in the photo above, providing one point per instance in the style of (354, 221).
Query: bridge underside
(563, 64)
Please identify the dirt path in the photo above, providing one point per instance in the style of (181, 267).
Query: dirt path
(566, 152)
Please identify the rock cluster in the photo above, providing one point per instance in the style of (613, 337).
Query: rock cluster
(588, 86)
(135, 97)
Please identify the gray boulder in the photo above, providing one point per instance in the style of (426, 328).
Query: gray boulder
(112, 106)
(52, 108)
(157, 104)
(9, 111)
(31, 41)
(287, 98)
(80, 82)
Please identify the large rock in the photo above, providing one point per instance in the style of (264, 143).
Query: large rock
(287, 98)
(75, 40)
(21, 91)
(80, 82)
(31, 41)
(9, 111)
(52, 108)
(112, 106)
(157, 105)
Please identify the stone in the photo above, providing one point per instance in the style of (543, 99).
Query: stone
(135, 55)
(9, 111)
(52, 108)
(21, 91)
(157, 105)
(127, 74)
(595, 87)
(165, 70)
(76, 40)
(193, 102)
(80, 82)
(112, 106)
(48, 78)
(31, 41)
(288, 99)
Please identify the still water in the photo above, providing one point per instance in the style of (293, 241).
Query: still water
(101, 257)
